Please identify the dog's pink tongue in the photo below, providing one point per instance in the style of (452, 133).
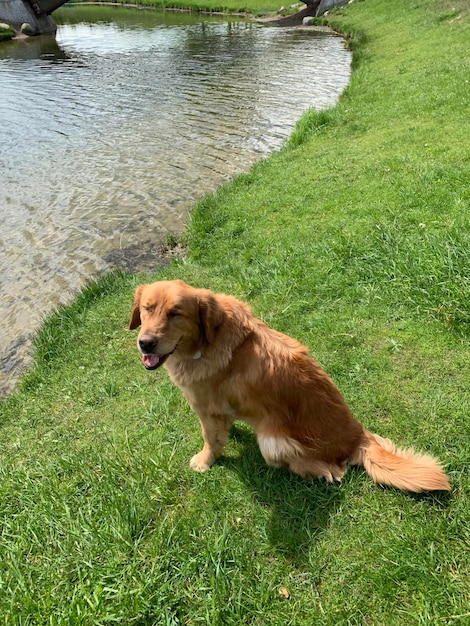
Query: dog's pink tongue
(150, 360)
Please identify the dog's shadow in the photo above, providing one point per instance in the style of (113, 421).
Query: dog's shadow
(301, 509)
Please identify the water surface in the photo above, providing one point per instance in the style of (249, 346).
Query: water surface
(112, 130)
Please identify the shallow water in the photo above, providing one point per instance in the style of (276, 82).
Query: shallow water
(112, 130)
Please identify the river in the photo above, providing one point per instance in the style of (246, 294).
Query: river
(114, 128)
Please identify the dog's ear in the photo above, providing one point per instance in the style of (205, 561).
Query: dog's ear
(134, 322)
(210, 315)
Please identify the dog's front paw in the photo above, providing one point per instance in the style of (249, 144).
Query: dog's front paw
(200, 462)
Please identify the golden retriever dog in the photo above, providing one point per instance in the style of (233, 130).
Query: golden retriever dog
(230, 365)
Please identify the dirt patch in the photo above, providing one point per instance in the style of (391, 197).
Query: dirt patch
(295, 20)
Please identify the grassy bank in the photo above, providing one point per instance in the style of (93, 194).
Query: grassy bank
(355, 239)
(252, 7)
(6, 33)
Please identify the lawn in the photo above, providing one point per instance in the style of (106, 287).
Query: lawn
(355, 239)
(252, 7)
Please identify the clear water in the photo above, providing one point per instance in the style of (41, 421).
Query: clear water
(111, 131)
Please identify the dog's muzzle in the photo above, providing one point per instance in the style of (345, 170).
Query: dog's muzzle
(150, 358)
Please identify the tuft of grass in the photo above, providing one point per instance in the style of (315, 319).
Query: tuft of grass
(6, 34)
(354, 238)
(310, 124)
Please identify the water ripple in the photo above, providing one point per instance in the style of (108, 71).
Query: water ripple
(114, 130)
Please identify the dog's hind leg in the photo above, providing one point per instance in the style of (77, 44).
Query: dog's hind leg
(215, 431)
(306, 467)
(277, 451)
(286, 452)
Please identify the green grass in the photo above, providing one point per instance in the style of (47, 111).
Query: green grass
(6, 34)
(252, 7)
(355, 238)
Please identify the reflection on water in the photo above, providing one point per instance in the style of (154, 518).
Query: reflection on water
(112, 131)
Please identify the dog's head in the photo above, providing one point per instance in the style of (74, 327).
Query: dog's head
(175, 319)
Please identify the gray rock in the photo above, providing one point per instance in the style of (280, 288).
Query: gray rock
(28, 29)
(326, 5)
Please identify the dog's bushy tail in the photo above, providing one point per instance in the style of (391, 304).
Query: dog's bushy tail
(405, 469)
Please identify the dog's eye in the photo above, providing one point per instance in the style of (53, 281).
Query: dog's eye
(173, 314)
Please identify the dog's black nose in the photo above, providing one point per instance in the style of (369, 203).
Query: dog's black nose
(148, 344)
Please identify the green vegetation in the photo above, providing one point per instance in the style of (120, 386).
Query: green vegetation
(252, 7)
(6, 33)
(355, 238)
